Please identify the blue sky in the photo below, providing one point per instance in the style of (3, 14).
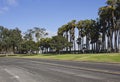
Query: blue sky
(49, 14)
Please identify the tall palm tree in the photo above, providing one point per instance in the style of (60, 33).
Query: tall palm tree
(81, 33)
(93, 34)
(66, 31)
(118, 26)
(88, 24)
(117, 13)
(109, 15)
(79, 27)
(61, 31)
(106, 26)
(111, 4)
(71, 26)
(103, 25)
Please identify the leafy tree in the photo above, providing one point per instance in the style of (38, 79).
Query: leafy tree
(44, 44)
(9, 39)
(28, 47)
(29, 34)
(15, 38)
(39, 33)
(5, 41)
(59, 42)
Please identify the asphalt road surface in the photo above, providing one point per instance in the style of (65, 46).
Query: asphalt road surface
(41, 70)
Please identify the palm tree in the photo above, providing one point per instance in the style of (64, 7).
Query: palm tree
(61, 31)
(91, 32)
(66, 30)
(111, 4)
(106, 27)
(109, 15)
(81, 33)
(118, 26)
(88, 24)
(71, 26)
(103, 25)
(79, 27)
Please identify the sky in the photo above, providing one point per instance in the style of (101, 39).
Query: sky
(48, 14)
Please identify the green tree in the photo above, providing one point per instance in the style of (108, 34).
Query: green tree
(15, 38)
(63, 31)
(6, 42)
(44, 44)
(39, 33)
(28, 47)
(59, 43)
(29, 34)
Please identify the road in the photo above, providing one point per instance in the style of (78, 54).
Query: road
(41, 70)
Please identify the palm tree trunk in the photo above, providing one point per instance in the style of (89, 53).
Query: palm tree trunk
(97, 46)
(111, 40)
(70, 41)
(67, 39)
(114, 27)
(103, 41)
(108, 44)
(87, 42)
(92, 47)
(115, 44)
(119, 41)
(73, 38)
(74, 45)
(82, 43)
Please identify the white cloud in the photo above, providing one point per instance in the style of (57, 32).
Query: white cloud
(50, 33)
(7, 4)
(3, 9)
(12, 2)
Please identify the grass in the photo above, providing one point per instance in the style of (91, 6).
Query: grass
(110, 57)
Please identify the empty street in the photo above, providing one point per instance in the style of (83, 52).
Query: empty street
(41, 70)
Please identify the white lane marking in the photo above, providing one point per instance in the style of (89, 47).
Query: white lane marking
(17, 77)
(14, 76)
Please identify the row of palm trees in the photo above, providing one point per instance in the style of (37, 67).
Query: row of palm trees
(102, 34)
